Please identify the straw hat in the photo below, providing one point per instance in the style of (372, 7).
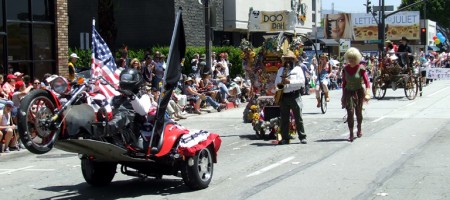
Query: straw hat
(189, 79)
(289, 54)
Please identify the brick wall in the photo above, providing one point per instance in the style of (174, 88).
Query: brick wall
(193, 20)
(62, 45)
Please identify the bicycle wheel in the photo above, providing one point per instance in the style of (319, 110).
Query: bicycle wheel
(377, 88)
(323, 103)
(411, 87)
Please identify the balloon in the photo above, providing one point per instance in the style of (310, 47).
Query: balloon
(439, 35)
(437, 41)
(434, 37)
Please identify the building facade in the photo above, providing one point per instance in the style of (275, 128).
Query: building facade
(33, 36)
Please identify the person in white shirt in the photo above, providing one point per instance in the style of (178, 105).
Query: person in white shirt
(291, 98)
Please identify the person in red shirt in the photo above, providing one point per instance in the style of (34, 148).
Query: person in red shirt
(353, 93)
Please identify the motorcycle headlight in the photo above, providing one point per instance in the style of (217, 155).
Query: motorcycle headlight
(60, 85)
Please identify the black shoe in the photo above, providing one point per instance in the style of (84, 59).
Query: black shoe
(282, 142)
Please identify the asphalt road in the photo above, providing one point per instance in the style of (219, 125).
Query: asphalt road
(402, 155)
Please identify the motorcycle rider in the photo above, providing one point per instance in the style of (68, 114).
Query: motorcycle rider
(130, 83)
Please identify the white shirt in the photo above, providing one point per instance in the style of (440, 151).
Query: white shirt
(142, 105)
(225, 66)
(296, 77)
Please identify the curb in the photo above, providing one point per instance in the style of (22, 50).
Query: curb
(14, 154)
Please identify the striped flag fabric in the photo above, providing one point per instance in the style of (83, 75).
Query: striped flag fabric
(103, 64)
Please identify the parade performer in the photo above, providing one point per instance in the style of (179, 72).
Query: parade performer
(354, 94)
(291, 80)
(324, 70)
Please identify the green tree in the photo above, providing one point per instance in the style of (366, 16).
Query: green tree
(437, 10)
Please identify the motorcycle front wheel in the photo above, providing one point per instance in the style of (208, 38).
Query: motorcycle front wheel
(197, 170)
(33, 118)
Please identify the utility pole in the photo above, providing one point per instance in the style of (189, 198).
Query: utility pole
(207, 33)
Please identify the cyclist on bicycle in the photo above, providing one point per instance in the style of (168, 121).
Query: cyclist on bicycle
(324, 70)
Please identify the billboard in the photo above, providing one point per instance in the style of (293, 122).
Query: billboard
(362, 26)
(271, 21)
(401, 24)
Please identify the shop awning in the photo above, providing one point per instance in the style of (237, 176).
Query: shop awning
(329, 42)
(433, 48)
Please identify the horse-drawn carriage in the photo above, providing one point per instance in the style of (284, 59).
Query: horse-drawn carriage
(390, 74)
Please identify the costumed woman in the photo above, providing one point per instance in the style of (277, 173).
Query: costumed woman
(354, 94)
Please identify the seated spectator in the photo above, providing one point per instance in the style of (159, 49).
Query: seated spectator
(206, 86)
(244, 89)
(192, 92)
(7, 128)
(221, 83)
(3, 94)
(36, 84)
(173, 109)
(219, 71)
(9, 86)
(19, 76)
(21, 91)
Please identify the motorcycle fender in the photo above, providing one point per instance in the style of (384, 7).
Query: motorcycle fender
(79, 118)
(212, 139)
(58, 103)
(171, 134)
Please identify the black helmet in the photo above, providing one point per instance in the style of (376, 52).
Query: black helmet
(130, 79)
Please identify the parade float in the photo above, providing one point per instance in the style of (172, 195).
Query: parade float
(261, 69)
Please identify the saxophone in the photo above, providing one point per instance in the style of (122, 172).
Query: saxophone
(280, 87)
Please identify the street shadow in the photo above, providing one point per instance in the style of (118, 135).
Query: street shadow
(393, 98)
(260, 144)
(119, 189)
(332, 140)
(312, 113)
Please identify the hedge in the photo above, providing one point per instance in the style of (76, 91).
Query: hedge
(233, 56)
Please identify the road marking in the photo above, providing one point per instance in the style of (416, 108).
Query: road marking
(379, 119)
(271, 166)
(410, 104)
(41, 170)
(14, 170)
(432, 94)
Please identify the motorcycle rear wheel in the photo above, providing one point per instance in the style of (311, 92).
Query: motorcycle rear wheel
(34, 113)
(197, 171)
(98, 173)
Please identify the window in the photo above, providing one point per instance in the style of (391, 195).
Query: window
(18, 42)
(42, 42)
(17, 10)
(42, 10)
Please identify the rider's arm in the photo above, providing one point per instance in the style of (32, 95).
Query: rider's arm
(141, 105)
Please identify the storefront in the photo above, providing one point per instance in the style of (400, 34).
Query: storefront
(29, 38)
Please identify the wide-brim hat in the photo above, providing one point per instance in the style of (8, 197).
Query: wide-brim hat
(203, 57)
(289, 54)
(188, 79)
(237, 79)
(405, 39)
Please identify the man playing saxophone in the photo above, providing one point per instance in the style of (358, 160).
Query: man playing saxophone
(291, 81)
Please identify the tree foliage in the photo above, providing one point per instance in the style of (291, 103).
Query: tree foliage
(436, 10)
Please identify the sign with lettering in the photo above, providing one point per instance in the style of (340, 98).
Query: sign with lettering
(401, 24)
(273, 21)
(438, 73)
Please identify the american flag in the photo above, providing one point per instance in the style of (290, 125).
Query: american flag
(103, 64)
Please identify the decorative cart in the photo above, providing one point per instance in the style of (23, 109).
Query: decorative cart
(261, 69)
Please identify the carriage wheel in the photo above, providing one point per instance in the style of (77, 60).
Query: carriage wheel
(411, 87)
(377, 89)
